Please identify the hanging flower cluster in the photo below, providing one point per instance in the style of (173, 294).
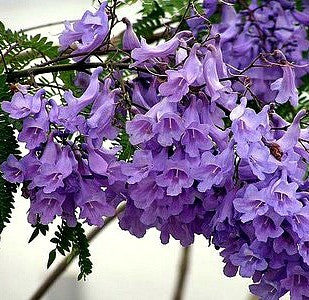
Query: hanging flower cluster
(212, 156)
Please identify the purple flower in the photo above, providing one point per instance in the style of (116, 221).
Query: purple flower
(304, 250)
(68, 116)
(35, 129)
(249, 260)
(140, 167)
(246, 126)
(286, 242)
(283, 196)
(213, 85)
(179, 81)
(130, 40)
(213, 169)
(252, 204)
(22, 106)
(297, 283)
(259, 160)
(102, 114)
(302, 16)
(130, 220)
(169, 128)
(145, 192)
(52, 175)
(86, 34)
(175, 177)
(267, 226)
(210, 7)
(99, 159)
(196, 136)
(13, 170)
(68, 210)
(146, 52)
(92, 202)
(267, 290)
(196, 139)
(286, 87)
(300, 222)
(140, 129)
(46, 206)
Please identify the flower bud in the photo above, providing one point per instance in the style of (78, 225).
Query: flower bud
(130, 40)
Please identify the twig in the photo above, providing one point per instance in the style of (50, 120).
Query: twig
(45, 25)
(63, 265)
(4, 63)
(183, 16)
(183, 270)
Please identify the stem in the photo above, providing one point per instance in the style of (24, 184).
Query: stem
(63, 265)
(183, 271)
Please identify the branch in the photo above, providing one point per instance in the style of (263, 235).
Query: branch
(63, 67)
(63, 265)
(183, 271)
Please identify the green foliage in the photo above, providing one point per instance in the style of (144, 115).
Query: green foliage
(127, 150)
(8, 145)
(39, 228)
(148, 24)
(21, 49)
(73, 240)
(299, 4)
(170, 6)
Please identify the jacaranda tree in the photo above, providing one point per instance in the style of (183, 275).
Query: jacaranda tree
(193, 121)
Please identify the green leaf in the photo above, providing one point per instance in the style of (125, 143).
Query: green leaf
(73, 240)
(51, 258)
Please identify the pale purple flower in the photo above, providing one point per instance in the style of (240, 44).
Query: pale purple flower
(297, 283)
(177, 176)
(92, 202)
(283, 196)
(140, 167)
(51, 175)
(252, 204)
(179, 81)
(68, 116)
(13, 170)
(286, 87)
(259, 160)
(146, 52)
(22, 106)
(300, 222)
(146, 191)
(130, 40)
(169, 129)
(35, 129)
(249, 260)
(214, 169)
(87, 34)
(267, 226)
(45, 206)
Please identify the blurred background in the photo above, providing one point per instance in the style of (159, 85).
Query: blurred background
(124, 267)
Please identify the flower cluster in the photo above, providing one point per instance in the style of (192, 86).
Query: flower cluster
(67, 166)
(249, 36)
(263, 28)
(212, 156)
